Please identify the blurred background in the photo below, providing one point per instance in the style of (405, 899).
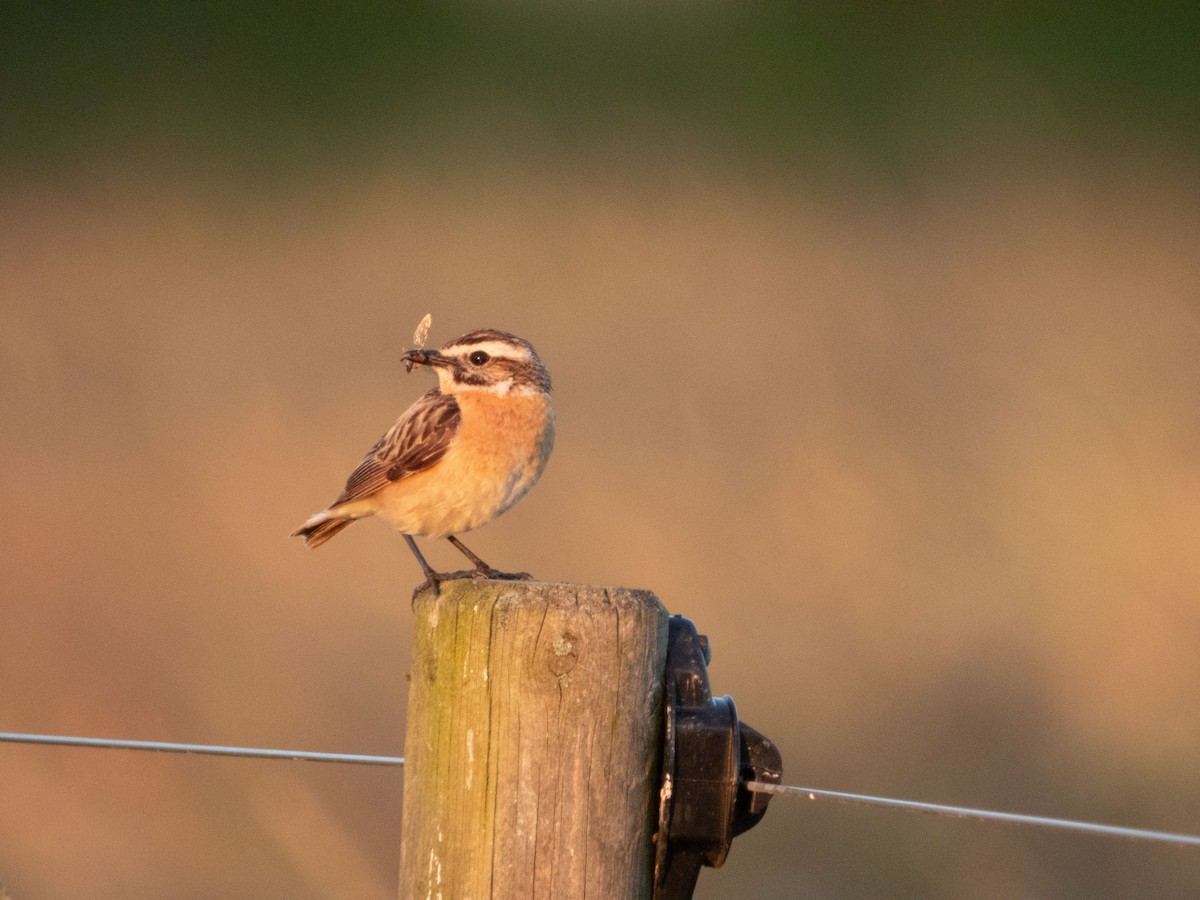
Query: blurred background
(874, 332)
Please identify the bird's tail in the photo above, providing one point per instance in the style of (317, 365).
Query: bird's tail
(320, 528)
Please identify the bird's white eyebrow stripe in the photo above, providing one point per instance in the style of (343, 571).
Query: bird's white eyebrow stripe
(491, 348)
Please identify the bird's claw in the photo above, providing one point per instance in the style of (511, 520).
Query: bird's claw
(430, 582)
(435, 580)
(502, 576)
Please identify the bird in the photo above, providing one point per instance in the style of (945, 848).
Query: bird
(461, 455)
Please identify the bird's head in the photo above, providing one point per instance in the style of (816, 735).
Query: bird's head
(485, 360)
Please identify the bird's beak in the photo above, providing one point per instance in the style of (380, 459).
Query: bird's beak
(425, 358)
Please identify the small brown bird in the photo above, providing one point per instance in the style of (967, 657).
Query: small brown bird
(460, 456)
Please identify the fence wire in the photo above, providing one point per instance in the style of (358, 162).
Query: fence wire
(206, 749)
(985, 815)
(959, 812)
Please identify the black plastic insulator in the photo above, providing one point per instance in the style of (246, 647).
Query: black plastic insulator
(708, 756)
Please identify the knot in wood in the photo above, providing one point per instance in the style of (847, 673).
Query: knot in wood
(563, 654)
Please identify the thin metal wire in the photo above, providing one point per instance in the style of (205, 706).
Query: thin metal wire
(962, 812)
(1137, 834)
(209, 749)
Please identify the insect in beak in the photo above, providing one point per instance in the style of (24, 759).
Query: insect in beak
(424, 358)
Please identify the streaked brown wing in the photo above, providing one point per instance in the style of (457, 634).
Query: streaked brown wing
(415, 442)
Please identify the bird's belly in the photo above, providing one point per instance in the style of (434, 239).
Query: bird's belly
(496, 457)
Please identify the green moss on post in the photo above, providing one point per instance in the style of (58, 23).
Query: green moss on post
(534, 720)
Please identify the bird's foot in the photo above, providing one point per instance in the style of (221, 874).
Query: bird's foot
(489, 572)
(434, 580)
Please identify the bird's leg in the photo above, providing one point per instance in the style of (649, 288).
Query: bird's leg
(480, 565)
(432, 579)
(483, 568)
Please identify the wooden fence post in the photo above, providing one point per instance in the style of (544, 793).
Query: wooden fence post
(534, 729)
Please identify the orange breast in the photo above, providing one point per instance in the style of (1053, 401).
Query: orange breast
(500, 450)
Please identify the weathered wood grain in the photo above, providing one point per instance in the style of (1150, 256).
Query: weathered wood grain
(534, 723)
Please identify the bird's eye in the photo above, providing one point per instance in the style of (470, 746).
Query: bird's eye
(478, 358)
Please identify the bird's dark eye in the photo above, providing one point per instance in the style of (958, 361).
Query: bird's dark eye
(478, 358)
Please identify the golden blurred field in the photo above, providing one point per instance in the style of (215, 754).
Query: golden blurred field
(920, 455)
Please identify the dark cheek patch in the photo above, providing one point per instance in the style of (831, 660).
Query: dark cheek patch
(470, 378)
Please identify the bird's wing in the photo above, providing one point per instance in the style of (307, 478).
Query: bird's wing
(417, 441)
